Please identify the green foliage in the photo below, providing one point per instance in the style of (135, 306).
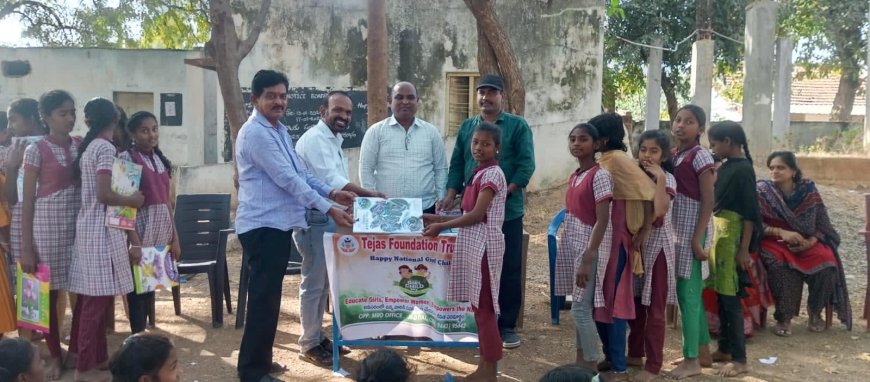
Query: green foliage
(673, 21)
(830, 34)
(730, 86)
(847, 141)
(183, 25)
(614, 10)
(179, 24)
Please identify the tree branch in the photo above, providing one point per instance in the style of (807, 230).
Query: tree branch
(497, 39)
(256, 26)
(13, 8)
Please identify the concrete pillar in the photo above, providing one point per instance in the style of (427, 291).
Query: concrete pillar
(210, 117)
(782, 93)
(867, 101)
(701, 87)
(653, 87)
(758, 75)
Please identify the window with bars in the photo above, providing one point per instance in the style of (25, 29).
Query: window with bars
(461, 99)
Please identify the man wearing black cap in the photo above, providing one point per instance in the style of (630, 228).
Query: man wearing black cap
(517, 160)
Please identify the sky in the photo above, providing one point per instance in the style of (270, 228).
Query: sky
(10, 33)
(11, 28)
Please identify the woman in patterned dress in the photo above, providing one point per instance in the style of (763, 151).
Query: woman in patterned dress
(631, 217)
(50, 203)
(656, 287)
(692, 212)
(475, 270)
(101, 260)
(154, 222)
(24, 121)
(586, 233)
(800, 245)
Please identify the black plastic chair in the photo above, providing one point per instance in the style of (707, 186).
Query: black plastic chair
(203, 224)
(294, 267)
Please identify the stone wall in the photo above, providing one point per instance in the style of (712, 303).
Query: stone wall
(558, 44)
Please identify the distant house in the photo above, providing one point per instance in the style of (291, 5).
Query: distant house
(812, 99)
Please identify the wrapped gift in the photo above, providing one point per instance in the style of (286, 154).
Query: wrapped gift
(156, 270)
(33, 298)
(394, 215)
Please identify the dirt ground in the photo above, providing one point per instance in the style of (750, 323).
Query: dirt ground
(208, 354)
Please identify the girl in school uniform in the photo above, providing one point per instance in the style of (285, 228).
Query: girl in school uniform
(101, 260)
(631, 218)
(693, 207)
(476, 268)
(50, 202)
(585, 233)
(154, 222)
(656, 287)
(737, 227)
(24, 121)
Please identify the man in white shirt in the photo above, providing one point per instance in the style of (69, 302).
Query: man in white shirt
(320, 149)
(403, 156)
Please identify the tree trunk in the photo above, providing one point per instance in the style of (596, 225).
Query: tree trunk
(703, 14)
(845, 99)
(608, 92)
(496, 38)
(226, 51)
(670, 91)
(376, 84)
(486, 61)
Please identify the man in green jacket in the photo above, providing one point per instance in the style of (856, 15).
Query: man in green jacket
(517, 160)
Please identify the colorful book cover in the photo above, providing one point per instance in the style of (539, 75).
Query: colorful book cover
(156, 270)
(32, 291)
(395, 215)
(20, 180)
(125, 181)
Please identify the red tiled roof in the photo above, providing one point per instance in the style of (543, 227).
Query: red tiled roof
(817, 95)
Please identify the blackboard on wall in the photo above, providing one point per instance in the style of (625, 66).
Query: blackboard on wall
(303, 112)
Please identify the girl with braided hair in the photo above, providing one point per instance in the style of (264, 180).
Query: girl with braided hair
(101, 259)
(154, 221)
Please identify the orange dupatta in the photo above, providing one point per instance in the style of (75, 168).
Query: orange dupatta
(634, 186)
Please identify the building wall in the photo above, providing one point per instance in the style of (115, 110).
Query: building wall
(558, 44)
(322, 43)
(89, 73)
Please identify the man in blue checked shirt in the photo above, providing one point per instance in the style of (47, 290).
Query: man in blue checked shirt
(276, 190)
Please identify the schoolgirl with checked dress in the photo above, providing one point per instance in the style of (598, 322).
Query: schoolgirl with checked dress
(24, 121)
(154, 222)
(631, 218)
(49, 215)
(101, 261)
(586, 232)
(475, 269)
(693, 227)
(656, 287)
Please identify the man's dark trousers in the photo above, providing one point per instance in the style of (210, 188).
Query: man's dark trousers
(510, 293)
(267, 251)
